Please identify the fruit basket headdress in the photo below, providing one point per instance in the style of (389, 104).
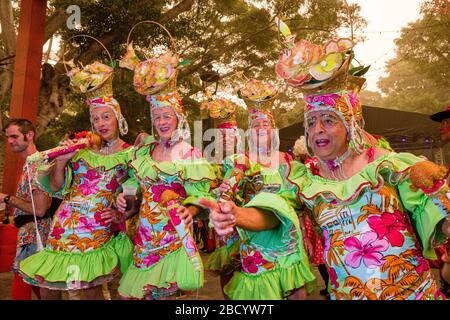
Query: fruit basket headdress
(95, 81)
(259, 97)
(156, 78)
(322, 73)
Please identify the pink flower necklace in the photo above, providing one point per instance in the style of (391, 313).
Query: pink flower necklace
(334, 166)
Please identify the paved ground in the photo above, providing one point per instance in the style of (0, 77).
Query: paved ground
(210, 291)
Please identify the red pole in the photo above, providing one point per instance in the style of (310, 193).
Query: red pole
(27, 79)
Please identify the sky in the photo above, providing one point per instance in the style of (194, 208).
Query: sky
(385, 19)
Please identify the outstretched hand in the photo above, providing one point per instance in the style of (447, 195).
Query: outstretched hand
(222, 215)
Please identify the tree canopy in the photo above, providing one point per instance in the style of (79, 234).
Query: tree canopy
(418, 78)
(229, 35)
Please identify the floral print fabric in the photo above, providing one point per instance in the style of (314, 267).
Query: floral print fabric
(77, 225)
(371, 250)
(27, 233)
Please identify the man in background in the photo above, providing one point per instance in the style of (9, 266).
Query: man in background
(20, 135)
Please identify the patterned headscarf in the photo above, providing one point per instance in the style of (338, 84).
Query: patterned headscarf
(113, 105)
(346, 105)
(256, 114)
(173, 101)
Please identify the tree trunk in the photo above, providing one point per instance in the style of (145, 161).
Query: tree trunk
(8, 37)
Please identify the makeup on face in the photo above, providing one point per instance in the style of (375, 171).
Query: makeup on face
(165, 121)
(105, 123)
(327, 134)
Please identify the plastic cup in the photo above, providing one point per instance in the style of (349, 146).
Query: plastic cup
(129, 193)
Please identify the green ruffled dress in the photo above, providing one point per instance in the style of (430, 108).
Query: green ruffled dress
(82, 251)
(274, 262)
(377, 232)
(164, 264)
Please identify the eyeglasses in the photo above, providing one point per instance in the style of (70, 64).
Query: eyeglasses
(327, 121)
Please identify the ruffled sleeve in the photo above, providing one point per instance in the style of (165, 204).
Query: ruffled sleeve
(427, 210)
(43, 180)
(198, 176)
(284, 239)
(136, 162)
(297, 179)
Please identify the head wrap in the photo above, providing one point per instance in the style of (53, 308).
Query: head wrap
(346, 105)
(259, 97)
(113, 105)
(172, 100)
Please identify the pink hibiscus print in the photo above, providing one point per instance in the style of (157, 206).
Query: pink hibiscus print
(191, 244)
(367, 250)
(144, 233)
(179, 189)
(57, 233)
(76, 166)
(326, 242)
(151, 259)
(167, 239)
(169, 227)
(138, 239)
(423, 264)
(89, 187)
(174, 217)
(112, 185)
(92, 175)
(64, 213)
(326, 99)
(250, 263)
(389, 225)
(333, 277)
(99, 220)
(85, 225)
(157, 190)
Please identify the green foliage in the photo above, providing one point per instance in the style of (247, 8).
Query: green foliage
(419, 78)
(232, 35)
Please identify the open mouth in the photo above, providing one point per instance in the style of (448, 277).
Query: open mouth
(164, 129)
(322, 142)
(103, 131)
